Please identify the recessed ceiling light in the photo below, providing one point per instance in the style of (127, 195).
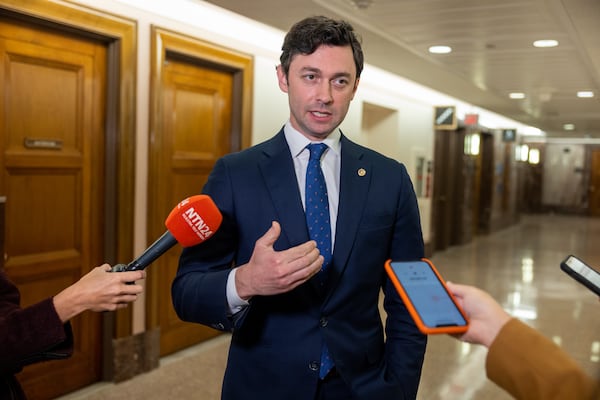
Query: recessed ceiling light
(516, 95)
(440, 49)
(569, 127)
(585, 94)
(362, 4)
(546, 43)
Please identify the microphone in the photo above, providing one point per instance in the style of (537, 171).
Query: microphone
(191, 222)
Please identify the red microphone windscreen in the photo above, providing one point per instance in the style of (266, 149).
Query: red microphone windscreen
(194, 220)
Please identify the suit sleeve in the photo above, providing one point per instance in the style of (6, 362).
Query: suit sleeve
(199, 288)
(31, 334)
(405, 344)
(530, 366)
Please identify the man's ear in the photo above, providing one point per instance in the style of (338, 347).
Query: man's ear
(282, 79)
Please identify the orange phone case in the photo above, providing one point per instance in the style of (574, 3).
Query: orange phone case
(413, 312)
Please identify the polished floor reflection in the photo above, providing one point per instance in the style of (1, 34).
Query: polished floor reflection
(519, 266)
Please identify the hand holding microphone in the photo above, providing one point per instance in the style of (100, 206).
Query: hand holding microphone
(191, 222)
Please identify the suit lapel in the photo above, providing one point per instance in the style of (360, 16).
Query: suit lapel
(355, 178)
(277, 168)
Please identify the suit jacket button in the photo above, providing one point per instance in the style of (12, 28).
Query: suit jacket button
(314, 365)
(323, 322)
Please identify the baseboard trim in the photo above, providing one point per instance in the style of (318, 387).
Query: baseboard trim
(137, 354)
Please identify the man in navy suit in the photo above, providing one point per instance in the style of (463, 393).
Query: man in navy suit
(259, 276)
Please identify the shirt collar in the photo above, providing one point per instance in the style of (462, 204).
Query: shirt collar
(298, 142)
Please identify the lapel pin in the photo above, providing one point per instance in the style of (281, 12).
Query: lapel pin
(361, 172)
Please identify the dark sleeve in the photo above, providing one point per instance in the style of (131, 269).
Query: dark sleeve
(405, 344)
(198, 291)
(29, 335)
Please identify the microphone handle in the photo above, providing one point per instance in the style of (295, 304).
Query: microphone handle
(118, 268)
(158, 248)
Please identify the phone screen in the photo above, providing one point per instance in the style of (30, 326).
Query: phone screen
(582, 273)
(428, 295)
(584, 270)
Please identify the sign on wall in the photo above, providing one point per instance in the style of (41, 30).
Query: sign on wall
(445, 118)
(509, 135)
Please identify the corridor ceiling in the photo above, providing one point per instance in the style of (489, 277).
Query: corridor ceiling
(493, 53)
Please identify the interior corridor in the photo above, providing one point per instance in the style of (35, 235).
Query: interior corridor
(519, 266)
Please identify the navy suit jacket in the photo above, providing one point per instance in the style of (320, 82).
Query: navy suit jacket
(276, 340)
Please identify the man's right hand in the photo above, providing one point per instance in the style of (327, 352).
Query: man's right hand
(272, 272)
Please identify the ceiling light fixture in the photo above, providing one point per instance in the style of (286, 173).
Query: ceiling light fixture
(516, 95)
(362, 4)
(569, 127)
(440, 49)
(545, 43)
(586, 94)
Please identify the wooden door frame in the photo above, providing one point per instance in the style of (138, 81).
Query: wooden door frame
(165, 42)
(589, 152)
(486, 183)
(442, 185)
(120, 37)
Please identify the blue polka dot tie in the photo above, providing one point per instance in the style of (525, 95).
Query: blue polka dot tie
(317, 203)
(319, 225)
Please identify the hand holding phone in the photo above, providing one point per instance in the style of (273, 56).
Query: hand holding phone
(582, 273)
(428, 300)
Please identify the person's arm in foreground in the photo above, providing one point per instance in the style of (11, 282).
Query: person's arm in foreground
(41, 331)
(98, 291)
(520, 359)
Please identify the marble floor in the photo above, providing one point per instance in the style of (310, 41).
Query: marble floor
(519, 266)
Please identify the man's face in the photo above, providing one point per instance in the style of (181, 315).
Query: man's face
(320, 87)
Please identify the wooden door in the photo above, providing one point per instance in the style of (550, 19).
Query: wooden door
(51, 172)
(199, 119)
(466, 171)
(442, 190)
(486, 184)
(594, 188)
(196, 116)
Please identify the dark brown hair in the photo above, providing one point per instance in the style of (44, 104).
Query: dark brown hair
(307, 35)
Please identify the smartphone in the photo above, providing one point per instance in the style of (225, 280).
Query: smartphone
(582, 273)
(431, 305)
